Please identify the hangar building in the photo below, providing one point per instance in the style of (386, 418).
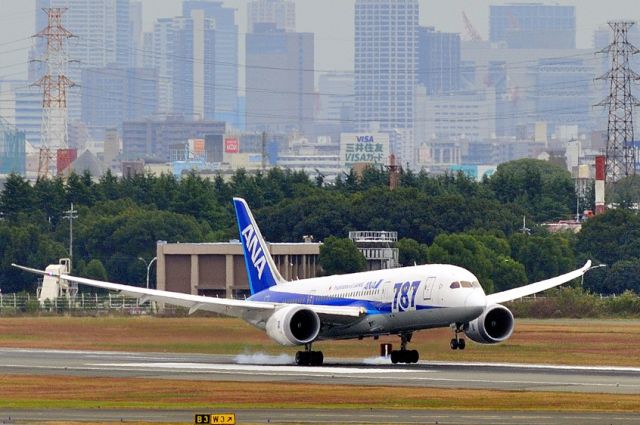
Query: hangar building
(218, 269)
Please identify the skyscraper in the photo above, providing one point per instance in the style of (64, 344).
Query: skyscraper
(193, 60)
(386, 43)
(282, 13)
(280, 81)
(225, 56)
(533, 26)
(438, 61)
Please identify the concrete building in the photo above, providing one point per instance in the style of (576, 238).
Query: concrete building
(533, 26)
(281, 13)
(219, 269)
(438, 61)
(280, 80)
(112, 95)
(336, 100)
(469, 115)
(151, 138)
(386, 56)
(225, 58)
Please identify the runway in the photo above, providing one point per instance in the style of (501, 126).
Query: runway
(375, 371)
(325, 416)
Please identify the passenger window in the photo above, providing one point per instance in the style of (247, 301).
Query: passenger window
(454, 285)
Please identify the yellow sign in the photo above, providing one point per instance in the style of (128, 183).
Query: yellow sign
(223, 419)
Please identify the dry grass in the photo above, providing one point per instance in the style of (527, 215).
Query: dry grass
(17, 391)
(578, 342)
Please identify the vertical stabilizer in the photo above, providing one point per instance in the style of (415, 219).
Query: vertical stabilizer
(261, 268)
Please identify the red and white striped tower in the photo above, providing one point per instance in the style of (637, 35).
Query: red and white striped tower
(599, 188)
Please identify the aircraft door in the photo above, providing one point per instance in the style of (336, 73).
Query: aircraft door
(428, 287)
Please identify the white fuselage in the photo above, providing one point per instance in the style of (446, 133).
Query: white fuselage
(395, 300)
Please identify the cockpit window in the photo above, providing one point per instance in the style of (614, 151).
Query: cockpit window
(465, 284)
(454, 285)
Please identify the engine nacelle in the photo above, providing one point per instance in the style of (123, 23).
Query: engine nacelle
(494, 325)
(293, 325)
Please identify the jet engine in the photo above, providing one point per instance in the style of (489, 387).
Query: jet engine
(494, 325)
(293, 325)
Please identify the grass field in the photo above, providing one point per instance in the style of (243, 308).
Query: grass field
(578, 342)
(575, 342)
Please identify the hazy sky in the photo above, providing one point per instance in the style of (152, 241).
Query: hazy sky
(331, 20)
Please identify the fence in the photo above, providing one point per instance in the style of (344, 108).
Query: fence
(90, 303)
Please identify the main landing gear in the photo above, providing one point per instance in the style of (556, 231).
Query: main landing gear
(456, 342)
(403, 355)
(308, 357)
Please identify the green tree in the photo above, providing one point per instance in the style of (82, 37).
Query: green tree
(338, 256)
(544, 189)
(465, 251)
(95, 270)
(412, 252)
(16, 197)
(624, 275)
(610, 237)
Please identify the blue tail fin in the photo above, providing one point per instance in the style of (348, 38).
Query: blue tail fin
(261, 268)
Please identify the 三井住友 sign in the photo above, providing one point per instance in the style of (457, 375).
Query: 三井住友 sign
(369, 148)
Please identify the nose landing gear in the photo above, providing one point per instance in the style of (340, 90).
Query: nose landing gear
(403, 355)
(456, 342)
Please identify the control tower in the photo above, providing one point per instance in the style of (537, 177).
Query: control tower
(378, 247)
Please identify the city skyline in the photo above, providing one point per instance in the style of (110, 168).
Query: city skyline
(330, 20)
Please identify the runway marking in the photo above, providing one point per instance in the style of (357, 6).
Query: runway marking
(346, 371)
(247, 368)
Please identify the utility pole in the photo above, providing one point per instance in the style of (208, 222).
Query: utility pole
(621, 154)
(54, 89)
(264, 151)
(71, 215)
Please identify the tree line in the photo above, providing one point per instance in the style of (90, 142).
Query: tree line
(439, 218)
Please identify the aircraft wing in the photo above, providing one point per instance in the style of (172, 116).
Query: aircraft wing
(225, 306)
(543, 285)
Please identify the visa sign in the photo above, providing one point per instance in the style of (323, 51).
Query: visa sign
(364, 139)
(253, 248)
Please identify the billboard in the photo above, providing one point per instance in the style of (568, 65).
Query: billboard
(363, 148)
(231, 145)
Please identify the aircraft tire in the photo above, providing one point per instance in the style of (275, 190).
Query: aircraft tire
(395, 356)
(317, 358)
(454, 344)
(461, 344)
(413, 356)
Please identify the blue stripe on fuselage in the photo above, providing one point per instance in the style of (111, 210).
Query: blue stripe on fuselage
(371, 306)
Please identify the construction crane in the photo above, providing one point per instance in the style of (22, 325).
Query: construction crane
(471, 32)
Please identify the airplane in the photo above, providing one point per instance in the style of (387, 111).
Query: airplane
(397, 301)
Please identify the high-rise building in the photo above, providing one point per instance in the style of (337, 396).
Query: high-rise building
(386, 54)
(533, 26)
(135, 30)
(193, 62)
(282, 13)
(159, 54)
(280, 81)
(28, 113)
(336, 105)
(225, 57)
(438, 61)
(111, 95)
